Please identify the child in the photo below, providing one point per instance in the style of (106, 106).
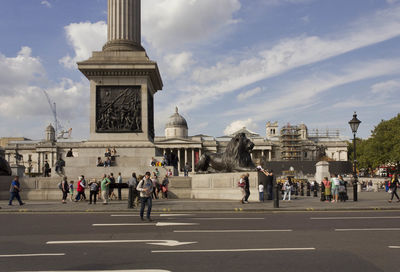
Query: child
(71, 190)
(261, 192)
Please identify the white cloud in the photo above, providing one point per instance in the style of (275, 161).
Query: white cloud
(239, 124)
(170, 24)
(386, 87)
(22, 99)
(46, 3)
(233, 73)
(244, 95)
(178, 64)
(85, 38)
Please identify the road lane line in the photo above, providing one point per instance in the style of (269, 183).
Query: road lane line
(175, 214)
(394, 247)
(227, 218)
(125, 215)
(134, 270)
(354, 218)
(32, 255)
(233, 250)
(219, 231)
(370, 229)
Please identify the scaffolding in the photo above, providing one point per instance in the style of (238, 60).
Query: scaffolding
(290, 139)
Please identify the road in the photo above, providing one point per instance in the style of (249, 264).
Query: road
(280, 241)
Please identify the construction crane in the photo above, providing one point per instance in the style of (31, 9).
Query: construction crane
(57, 125)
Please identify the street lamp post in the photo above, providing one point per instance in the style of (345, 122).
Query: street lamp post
(354, 123)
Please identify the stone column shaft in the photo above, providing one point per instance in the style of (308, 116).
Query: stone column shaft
(124, 26)
(192, 159)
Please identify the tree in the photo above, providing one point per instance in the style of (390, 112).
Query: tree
(383, 147)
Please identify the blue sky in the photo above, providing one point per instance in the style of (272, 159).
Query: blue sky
(226, 64)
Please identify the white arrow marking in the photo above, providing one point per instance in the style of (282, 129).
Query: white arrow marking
(123, 224)
(170, 243)
(232, 250)
(165, 224)
(158, 224)
(32, 255)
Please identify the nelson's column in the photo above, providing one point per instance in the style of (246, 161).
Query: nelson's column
(123, 81)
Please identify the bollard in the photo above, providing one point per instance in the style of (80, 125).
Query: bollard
(308, 189)
(302, 189)
(276, 195)
(130, 197)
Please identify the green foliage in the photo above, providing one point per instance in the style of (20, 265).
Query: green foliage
(383, 147)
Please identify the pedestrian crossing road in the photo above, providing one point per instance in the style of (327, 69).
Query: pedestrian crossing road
(237, 241)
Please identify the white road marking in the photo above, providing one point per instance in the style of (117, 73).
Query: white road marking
(135, 270)
(227, 218)
(355, 218)
(125, 215)
(175, 214)
(219, 231)
(370, 229)
(149, 242)
(232, 250)
(32, 255)
(165, 224)
(394, 247)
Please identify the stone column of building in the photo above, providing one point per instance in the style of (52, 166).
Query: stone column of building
(179, 159)
(124, 26)
(269, 155)
(186, 156)
(192, 159)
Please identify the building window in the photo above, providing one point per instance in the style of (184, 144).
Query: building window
(305, 154)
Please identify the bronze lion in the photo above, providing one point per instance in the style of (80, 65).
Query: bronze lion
(236, 157)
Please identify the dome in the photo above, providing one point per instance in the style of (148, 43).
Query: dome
(176, 121)
(50, 128)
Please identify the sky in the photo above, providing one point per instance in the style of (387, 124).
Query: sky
(225, 64)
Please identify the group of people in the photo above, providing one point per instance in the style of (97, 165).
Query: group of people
(98, 189)
(334, 189)
(109, 158)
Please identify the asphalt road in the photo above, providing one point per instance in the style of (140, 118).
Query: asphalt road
(289, 241)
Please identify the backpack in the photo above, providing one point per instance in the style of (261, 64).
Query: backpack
(59, 185)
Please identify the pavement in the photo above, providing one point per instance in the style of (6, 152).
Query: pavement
(366, 201)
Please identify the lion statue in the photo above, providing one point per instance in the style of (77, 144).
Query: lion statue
(236, 157)
(5, 169)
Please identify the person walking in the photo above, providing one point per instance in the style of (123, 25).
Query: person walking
(241, 185)
(94, 189)
(80, 189)
(119, 182)
(393, 187)
(65, 190)
(156, 186)
(246, 188)
(15, 188)
(105, 184)
(145, 187)
(111, 193)
(132, 195)
(164, 187)
(84, 185)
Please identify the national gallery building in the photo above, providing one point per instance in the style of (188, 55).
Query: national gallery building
(286, 143)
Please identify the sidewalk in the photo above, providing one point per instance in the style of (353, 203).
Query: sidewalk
(366, 201)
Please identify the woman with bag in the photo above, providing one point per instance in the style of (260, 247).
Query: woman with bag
(241, 185)
(327, 185)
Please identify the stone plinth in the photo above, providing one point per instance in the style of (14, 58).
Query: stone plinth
(322, 170)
